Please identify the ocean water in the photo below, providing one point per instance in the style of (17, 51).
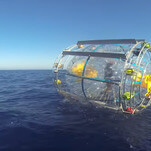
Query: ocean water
(34, 117)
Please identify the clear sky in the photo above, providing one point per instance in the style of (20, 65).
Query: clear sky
(34, 32)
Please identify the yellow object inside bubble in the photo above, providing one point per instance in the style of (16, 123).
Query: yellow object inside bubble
(90, 71)
(146, 82)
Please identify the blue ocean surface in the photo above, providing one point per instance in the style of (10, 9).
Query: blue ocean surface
(34, 117)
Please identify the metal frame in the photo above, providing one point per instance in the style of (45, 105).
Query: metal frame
(95, 54)
(110, 41)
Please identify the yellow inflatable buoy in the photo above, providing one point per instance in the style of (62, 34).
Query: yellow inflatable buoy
(143, 105)
(58, 82)
(129, 71)
(147, 45)
(128, 95)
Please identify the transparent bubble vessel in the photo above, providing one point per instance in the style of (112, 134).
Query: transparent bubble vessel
(115, 73)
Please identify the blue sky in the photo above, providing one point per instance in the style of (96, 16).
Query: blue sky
(34, 32)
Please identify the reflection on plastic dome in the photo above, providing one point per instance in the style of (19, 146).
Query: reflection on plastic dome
(112, 73)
